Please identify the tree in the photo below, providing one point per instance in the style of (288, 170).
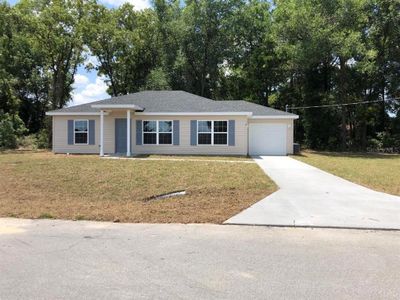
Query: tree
(8, 100)
(125, 42)
(289, 52)
(157, 80)
(11, 129)
(55, 29)
(381, 64)
(23, 87)
(170, 29)
(205, 42)
(253, 61)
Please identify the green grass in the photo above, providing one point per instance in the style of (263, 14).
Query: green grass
(380, 172)
(41, 184)
(45, 216)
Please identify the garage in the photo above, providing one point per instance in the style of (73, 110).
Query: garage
(267, 139)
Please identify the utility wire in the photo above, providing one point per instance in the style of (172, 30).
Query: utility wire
(339, 104)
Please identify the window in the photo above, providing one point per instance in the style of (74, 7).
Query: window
(204, 132)
(165, 132)
(149, 132)
(157, 132)
(220, 133)
(212, 132)
(81, 131)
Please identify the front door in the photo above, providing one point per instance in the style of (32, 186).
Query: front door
(120, 136)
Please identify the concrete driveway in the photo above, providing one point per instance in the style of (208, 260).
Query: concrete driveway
(309, 196)
(47, 259)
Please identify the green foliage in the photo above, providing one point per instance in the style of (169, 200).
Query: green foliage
(28, 142)
(385, 142)
(289, 52)
(329, 53)
(35, 141)
(45, 216)
(157, 80)
(11, 129)
(43, 139)
(125, 43)
(54, 31)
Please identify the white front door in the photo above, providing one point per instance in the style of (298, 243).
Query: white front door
(267, 139)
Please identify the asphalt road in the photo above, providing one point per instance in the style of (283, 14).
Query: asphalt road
(88, 260)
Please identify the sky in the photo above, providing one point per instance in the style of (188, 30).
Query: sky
(89, 87)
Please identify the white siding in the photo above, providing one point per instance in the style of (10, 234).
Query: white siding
(60, 136)
(184, 147)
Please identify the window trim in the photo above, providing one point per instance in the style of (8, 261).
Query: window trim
(212, 132)
(87, 132)
(157, 132)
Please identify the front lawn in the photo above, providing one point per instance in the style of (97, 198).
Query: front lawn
(380, 172)
(44, 185)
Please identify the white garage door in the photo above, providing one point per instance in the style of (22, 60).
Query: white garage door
(267, 139)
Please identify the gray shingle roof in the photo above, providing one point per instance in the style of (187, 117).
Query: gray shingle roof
(178, 101)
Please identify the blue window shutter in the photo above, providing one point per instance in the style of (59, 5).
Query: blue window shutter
(176, 132)
(138, 132)
(193, 132)
(231, 137)
(92, 132)
(70, 132)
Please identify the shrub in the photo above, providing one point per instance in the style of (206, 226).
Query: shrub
(42, 139)
(385, 142)
(36, 141)
(28, 142)
(374, 145)
(12, 128)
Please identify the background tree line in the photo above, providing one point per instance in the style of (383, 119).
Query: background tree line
(295, 52)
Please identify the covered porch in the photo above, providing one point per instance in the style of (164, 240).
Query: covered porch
(105, 109)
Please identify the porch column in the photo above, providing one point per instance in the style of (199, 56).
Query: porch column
(128, 133)
(102, 133)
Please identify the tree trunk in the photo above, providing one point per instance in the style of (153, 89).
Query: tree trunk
(342, 95)
(383, 106)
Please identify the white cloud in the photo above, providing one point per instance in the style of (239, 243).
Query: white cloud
(139, 4)
(91, 92)
(80, 80)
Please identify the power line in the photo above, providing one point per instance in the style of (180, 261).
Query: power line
(339, 104)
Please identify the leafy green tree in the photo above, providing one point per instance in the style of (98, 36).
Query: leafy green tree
(23, 84)
(125, 42)
(205, 42)
(157, 80)
(9, 102)
(55, 29)
(170, 29)
(11, 129)
(253, 61)
(381, 64)
(286, 52)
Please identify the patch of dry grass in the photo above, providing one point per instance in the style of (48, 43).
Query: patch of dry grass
(380, 172)
(40, 185)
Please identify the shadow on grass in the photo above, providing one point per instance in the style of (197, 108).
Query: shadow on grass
(190, 155)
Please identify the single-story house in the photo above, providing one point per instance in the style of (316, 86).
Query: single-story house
(172, 122)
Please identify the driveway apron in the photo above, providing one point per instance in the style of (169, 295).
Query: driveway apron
(311, 197)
